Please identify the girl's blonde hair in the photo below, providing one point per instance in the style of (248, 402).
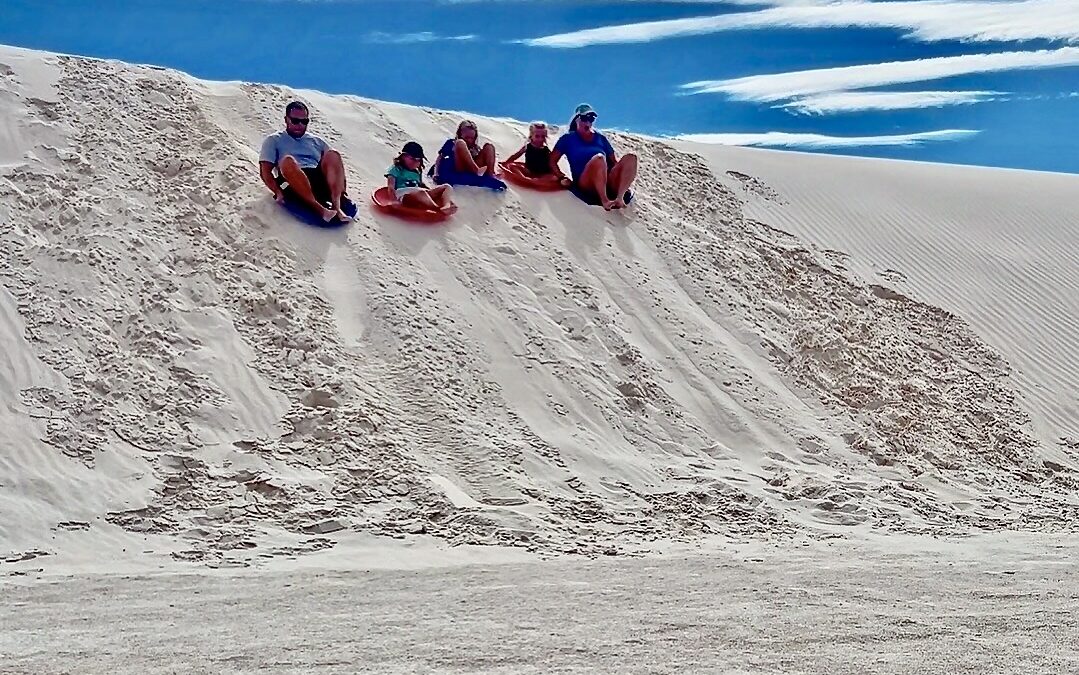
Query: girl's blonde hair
(466, 124)
(534, 126)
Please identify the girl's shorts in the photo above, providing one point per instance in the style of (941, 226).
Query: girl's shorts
(401, 192)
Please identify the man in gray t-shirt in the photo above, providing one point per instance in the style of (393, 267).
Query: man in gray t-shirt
(306, 165)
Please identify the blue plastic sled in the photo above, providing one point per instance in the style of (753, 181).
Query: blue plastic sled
(303, 212)
(447, 174)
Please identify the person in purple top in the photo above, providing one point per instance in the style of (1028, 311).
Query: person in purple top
(600, 178)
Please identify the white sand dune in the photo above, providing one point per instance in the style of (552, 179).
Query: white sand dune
(998, 248)
(822, 346)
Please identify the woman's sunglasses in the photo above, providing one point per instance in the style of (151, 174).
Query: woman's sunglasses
(591, 117)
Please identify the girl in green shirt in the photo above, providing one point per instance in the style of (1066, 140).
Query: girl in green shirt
(405, 180)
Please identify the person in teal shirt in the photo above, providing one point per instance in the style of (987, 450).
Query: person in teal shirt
(405, 180)
(600, 178)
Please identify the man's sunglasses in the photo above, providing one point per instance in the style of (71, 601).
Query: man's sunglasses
(299, 120)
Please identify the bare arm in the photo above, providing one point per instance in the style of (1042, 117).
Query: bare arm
(515, 156)
(266, 174)
(391, 183)
(555, 156)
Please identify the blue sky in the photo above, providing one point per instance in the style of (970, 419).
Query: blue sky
(991, 82)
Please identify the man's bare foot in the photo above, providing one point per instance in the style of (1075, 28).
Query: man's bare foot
(565, 182)
(618, 204)
(608, 205)
(448, 209)
(342, 216)
(328, 214)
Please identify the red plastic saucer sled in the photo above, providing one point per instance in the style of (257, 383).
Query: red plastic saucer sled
(512, 172)
(384, 201)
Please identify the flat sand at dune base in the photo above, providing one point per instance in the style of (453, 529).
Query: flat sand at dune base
(993, 604)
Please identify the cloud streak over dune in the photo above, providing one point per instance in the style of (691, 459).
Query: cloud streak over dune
(379, 37)
(825, 90)
(927, 21)
(779, 139)
(864, 101)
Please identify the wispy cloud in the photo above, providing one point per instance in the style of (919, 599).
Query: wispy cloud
(778, 86)
(379, 37)
(779, 139)
(926, 20)
(862, 101)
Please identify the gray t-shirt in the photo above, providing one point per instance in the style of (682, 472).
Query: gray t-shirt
(307, 149)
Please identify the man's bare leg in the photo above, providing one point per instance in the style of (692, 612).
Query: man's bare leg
(297, 180)
(594, 177)
(462, 158)
(333, 169)
(623, 173)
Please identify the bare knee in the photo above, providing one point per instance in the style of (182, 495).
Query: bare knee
(288, 162)
(597, 166)
(628, 160)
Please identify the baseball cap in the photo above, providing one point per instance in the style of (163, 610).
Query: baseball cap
(584, 109)
(413, 148)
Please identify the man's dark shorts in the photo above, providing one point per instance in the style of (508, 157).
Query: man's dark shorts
(589, 196)
(319, 187)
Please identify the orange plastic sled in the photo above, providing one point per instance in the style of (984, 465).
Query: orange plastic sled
(512, 172)
(385, 202)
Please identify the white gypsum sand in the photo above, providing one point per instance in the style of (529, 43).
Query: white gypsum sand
(999, 248)
(825, 609)
(789, 354)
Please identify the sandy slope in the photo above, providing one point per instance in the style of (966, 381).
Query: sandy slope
(999, 248)
(193, 376)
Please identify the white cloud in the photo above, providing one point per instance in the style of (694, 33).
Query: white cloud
(926, 20)
(779, 139)
(379, 37)
(804, 83)
(859, 101)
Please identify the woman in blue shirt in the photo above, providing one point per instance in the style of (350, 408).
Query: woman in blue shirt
(600, 178)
